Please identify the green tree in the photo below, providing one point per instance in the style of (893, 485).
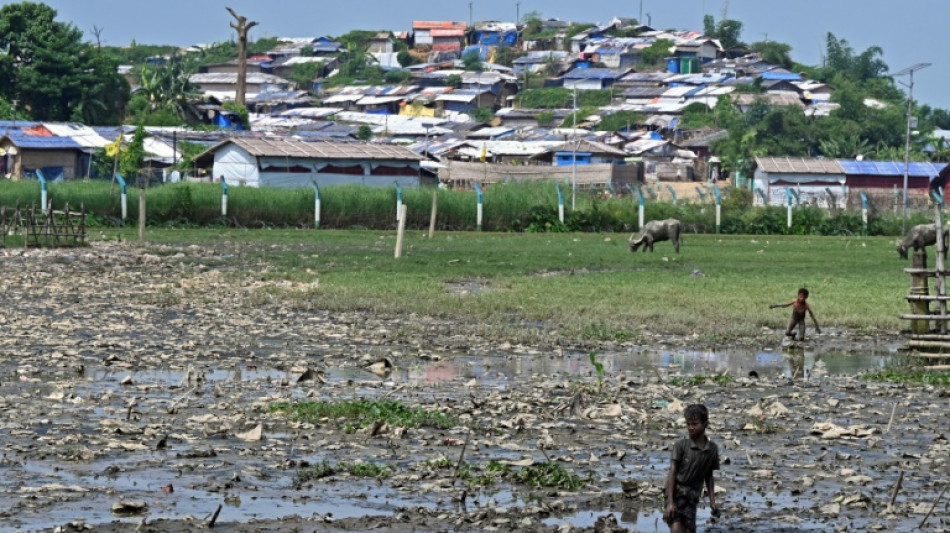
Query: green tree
(364, 133)
(166, 92)
(840, 58)
(53, 75)
(507, 55)
(481, 114)
(774, 52)
(303, 74)
(132, 159)
(532, 24)
(727, 31)
(656, 52)
(472, 61)
(405, 58)
(621, 120)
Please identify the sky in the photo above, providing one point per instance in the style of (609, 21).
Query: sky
(901, 28)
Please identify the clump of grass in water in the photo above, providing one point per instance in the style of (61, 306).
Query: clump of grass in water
(549, 475)
(325, 469)
(599, 367)
(356, 414)
(910, 375)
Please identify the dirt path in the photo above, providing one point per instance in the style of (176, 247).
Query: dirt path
(137, 390)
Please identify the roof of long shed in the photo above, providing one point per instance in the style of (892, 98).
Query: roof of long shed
(320, 150)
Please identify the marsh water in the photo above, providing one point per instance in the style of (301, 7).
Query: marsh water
(84, 490)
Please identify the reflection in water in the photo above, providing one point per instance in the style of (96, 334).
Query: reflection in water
(793, 363)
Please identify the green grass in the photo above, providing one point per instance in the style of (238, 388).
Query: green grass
(549, 475)
(910, 375)
(359, 469)
(573, 286)
(360, 413)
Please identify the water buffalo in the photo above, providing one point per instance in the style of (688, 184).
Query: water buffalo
(655, 231)
(919, 237)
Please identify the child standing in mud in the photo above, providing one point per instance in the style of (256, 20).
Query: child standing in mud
(799, 308)
(693, 461)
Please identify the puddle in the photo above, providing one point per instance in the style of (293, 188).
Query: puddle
(471, 286)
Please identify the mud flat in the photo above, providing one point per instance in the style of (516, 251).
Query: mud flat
(138, 391)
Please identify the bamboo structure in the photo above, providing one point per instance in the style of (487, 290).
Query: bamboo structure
(928, 338)
(44, 227)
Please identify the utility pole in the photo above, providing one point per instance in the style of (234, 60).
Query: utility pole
(470, 14)
(910, 110)
(242, 27)
(517, 13)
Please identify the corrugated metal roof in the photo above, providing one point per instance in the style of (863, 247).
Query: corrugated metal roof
(231, 77)
(442, 32)
(798, 165)
(593, 147)
(433, 24)
(319, 150)
(890, 168)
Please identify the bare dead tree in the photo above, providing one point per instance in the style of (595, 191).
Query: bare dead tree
(242, 28)
(97, 33)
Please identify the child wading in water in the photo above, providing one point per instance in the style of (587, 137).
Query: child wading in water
(693, 462)
(799, 308)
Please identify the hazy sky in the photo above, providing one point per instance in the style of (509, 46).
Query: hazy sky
(909, 31)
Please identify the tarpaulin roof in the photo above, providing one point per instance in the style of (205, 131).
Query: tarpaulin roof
(41, 142)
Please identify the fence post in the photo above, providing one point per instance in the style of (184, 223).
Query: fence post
(788, 201)
(316, 205)
(478, 209)
(798, 197)
(398, 201)
(560, 203)
(640, 208)
(718, 207)
(832, 199)
(864, 210)
(941, 262)
(142, 212)
(400, 230)
(43, 190)
(124, 196)
(702, 195)
(224, 198)
(434, 213)
(672, 192)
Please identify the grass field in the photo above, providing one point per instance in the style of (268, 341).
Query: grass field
(580, 286)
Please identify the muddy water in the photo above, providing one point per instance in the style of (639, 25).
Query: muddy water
(85, 490)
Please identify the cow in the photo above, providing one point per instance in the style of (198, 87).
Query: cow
(655, 231)
(919, 237)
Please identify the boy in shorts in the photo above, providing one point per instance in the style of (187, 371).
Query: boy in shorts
(693, 461)
(799, 307)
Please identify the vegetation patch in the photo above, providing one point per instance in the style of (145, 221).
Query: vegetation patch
(357, 469)
(356, 414)
(549, 475)
(910, 375)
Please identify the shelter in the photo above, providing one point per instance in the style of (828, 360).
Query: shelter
(285, 162)
(61, 151)
(813, 180)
